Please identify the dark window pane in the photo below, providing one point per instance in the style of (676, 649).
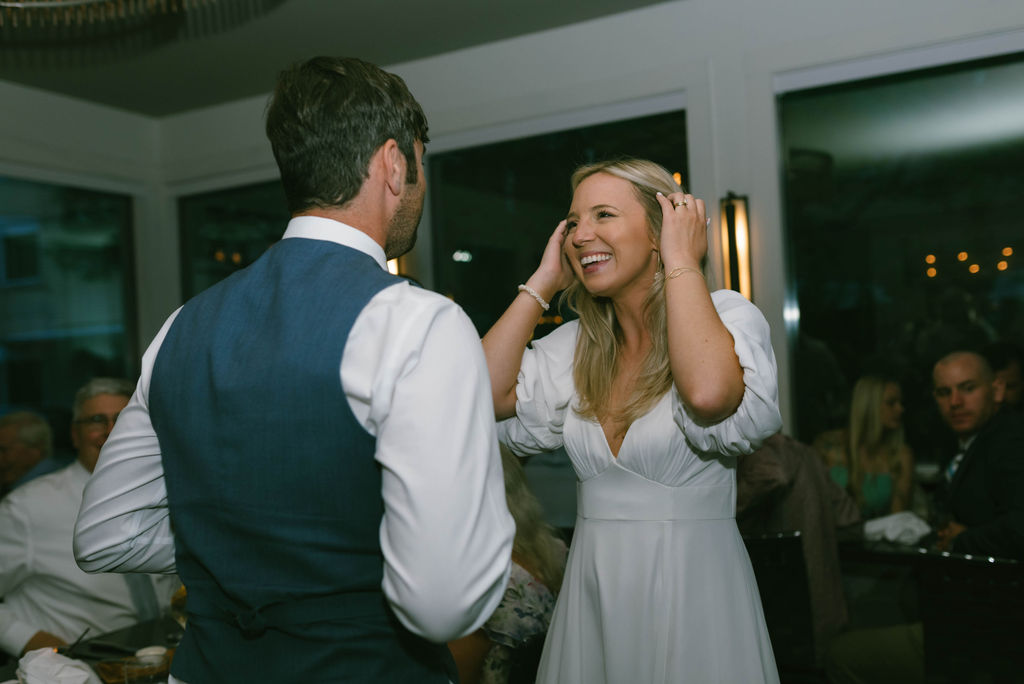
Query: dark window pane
(226, 230)
(66, 293)
(903, 224)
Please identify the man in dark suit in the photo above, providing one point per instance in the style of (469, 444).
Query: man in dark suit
(983, 484)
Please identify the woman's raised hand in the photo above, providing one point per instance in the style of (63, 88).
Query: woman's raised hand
(554, 273)
(684, 236)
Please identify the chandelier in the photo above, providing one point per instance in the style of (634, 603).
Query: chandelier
(59, 32)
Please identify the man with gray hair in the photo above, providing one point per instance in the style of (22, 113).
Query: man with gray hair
(26, 449)
(47, 600)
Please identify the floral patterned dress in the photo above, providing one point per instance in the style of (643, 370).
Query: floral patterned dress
(524, 612)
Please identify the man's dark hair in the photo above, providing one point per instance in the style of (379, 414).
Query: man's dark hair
(327, 117)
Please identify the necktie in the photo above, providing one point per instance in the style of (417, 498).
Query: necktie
(953, 465)
(143, 596)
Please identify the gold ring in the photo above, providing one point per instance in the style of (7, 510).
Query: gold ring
(679, 204)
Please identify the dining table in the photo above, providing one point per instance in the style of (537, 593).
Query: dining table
(106, 648)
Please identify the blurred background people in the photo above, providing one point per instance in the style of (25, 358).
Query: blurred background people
(538, 561)
(982, 491)
(783, 487)
(869, 457)
(26, 449)
(1007, 361)
(47, 599)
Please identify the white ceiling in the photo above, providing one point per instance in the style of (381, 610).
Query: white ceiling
(244, 61)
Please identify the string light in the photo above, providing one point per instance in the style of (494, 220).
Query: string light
(930, 259)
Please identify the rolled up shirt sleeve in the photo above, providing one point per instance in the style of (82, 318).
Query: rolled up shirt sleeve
(757, 416)
(416, 378)
(124, 523)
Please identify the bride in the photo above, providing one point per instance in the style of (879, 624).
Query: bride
(653, 392)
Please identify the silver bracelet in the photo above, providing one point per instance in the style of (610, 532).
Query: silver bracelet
(533, 293)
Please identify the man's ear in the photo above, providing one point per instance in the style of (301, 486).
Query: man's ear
(393, 162)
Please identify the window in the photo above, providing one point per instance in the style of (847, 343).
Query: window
(226, 230)
(903, 226)
(66, 293)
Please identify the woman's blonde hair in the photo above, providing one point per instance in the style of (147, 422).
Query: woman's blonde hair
(535, 542)
(597, 346)
(866, 433)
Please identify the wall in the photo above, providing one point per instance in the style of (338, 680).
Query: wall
(729, 57)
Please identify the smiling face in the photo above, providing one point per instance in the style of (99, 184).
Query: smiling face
(609, 243)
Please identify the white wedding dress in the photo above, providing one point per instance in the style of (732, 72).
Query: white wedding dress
(658, 586)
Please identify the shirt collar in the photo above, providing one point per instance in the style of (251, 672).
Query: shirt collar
(965, 443)
(319, 228)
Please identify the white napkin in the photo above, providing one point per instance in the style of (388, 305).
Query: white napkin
(905, 527)
(44, 666)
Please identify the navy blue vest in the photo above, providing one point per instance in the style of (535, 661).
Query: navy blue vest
(273, 490)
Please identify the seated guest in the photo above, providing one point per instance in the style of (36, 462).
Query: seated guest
(982, 490)
(47, 600)
(1007, 362)
(26, 449)
(783, 487)
(869, 458)
(538, 560)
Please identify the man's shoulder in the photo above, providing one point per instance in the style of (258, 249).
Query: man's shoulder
(1003, 428)
(40, 491)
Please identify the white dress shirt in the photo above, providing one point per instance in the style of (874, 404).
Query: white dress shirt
(414, 374)
(42, 587)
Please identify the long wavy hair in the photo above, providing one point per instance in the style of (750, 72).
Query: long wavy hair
(535, 542)
(866, 433)
(597, 347)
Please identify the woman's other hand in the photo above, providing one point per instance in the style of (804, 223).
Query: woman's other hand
(684, 231)
(554, 273)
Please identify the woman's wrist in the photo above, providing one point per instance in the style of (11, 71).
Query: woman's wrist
(543, 287)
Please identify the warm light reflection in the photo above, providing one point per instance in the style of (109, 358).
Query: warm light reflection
(739, 232)
(1007, 251)
(930, 259)
(931, 272)
(1002, 265)
(678, 178)
(974, 268)
(962, 256)
(393, 266)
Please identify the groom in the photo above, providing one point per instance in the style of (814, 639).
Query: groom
(311, 445)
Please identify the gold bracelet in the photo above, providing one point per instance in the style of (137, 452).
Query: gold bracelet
(675, 272)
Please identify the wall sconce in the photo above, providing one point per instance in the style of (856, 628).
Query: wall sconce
(393, 266)
(736, 243)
